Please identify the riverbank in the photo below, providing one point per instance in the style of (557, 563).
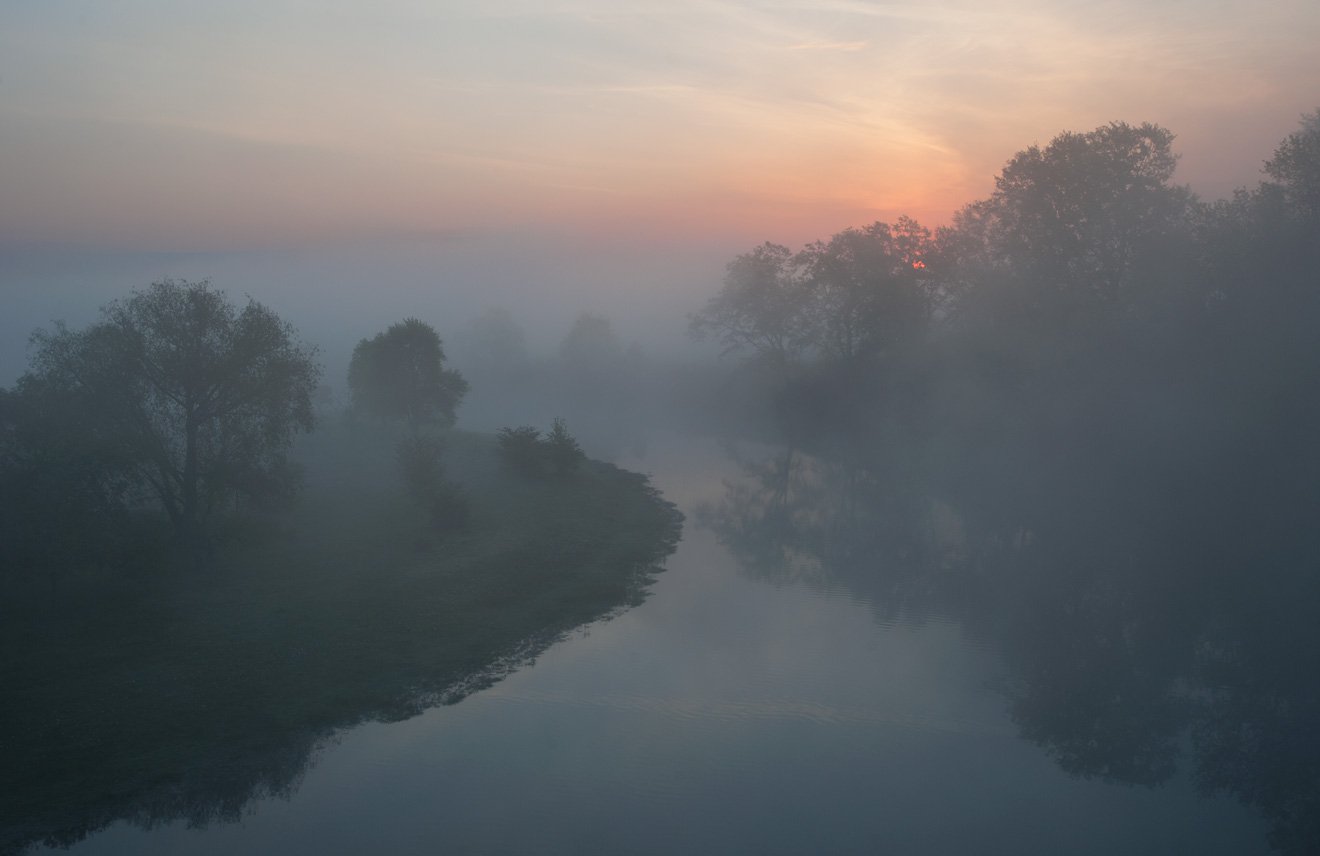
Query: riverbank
(185, 693)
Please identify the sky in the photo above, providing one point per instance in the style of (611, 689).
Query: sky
(168, 126)
(519, 139)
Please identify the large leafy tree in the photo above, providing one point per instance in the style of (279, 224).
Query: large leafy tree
(1082, 215)
(177, 394)
(1296, 166)
(865, 288)
(762, 307)
(399, 376)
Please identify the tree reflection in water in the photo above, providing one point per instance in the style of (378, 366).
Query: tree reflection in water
(1133, 640)
(797, 518)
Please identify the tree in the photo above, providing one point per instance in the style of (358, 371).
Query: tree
(399, 375)
(865, 288)
(555, 454)
(761, 307)
(1296, 166)
(1078, 215)
(522, 448)
(179, 392)
(562, 450)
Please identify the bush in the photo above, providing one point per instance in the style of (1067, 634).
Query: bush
(521, 447)
(557, 454)
(562, 451)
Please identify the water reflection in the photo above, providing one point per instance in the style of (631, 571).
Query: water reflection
(725, 715)
(1133, 640)
(211, 694)
(152, 753)
(794, 517)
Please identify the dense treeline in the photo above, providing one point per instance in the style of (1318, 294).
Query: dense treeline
(1083, 416)
(1090, 327)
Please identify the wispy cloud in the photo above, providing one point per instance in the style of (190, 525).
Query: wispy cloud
(846, 47)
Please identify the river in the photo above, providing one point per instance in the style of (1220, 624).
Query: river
(727, 714)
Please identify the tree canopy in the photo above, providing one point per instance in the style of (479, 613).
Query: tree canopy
(178, 394)
(1296, 165)
(399, 375)
(1080, 213)
(864, 288)
(761, 307)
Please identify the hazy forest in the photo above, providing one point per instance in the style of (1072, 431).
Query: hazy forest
(1077, 425)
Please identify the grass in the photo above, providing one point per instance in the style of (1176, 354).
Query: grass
(187, 691)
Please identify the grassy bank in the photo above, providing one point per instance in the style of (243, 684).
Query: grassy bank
(185, 690)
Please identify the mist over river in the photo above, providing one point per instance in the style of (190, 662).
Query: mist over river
(727, 714)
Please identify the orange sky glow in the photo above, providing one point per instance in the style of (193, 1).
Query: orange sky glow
(163, 126)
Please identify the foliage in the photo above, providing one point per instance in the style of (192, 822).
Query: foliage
(557, 454)
(1081, 214)
(177, 393)
(399, 376)
(864, 289)
(562, 452)
(761, 307)
(1296, 166)
(521, 448)
(851, 298)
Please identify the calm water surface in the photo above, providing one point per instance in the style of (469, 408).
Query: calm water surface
(725, 715)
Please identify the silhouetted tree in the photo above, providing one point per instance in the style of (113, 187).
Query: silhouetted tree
(865, 289)
(1077, 213)
(562, 451)
(1296, 166)
(521, 447)
(399, 375)
(761, 308)
(177, 391)
(555, 454)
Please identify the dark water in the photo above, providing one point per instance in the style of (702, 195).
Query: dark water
(736, 711)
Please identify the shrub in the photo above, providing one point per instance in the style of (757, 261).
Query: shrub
(557, 454)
